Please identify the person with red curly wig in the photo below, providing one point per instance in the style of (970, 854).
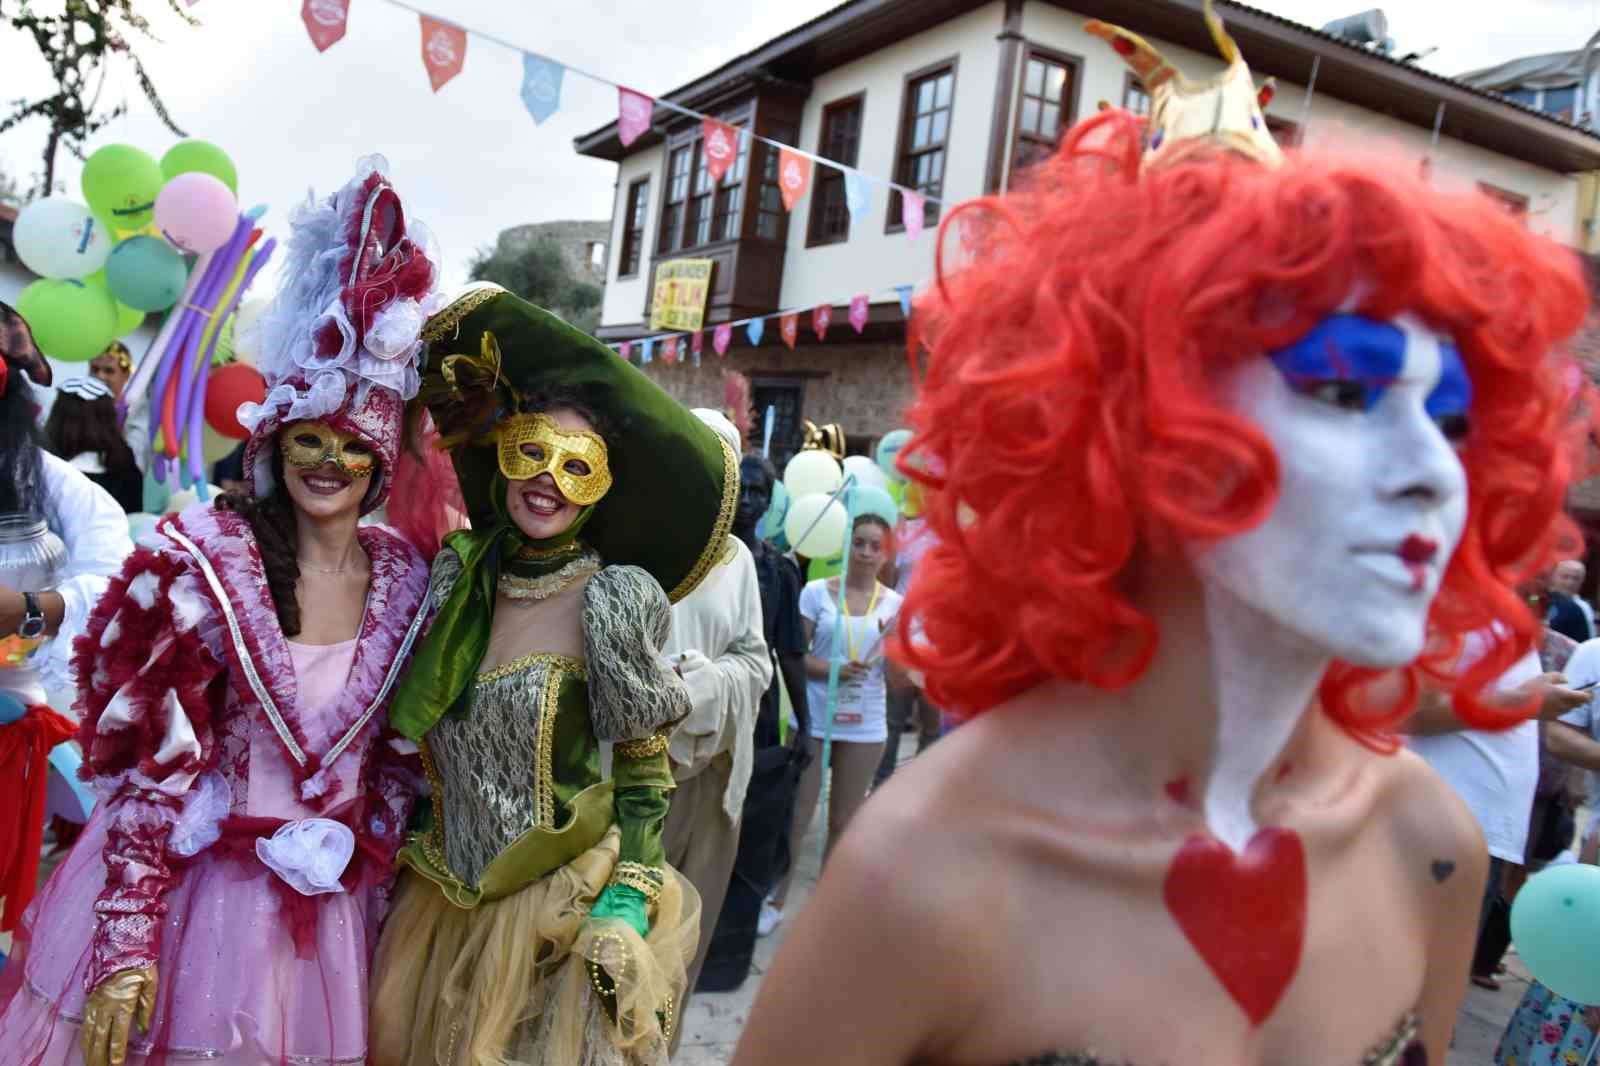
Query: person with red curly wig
(1226, 452)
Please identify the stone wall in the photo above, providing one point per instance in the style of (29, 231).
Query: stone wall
(575, 239)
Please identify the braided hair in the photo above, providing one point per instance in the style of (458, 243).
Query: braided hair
(277, 538)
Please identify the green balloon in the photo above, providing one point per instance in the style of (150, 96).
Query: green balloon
(120, 184)
(200, 157)
(822, 569)
(128, 318)
(146, 273)
(71, 320)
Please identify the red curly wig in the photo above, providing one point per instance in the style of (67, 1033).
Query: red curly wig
(1065, 419)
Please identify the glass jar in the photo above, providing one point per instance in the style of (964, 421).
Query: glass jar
(31, 557)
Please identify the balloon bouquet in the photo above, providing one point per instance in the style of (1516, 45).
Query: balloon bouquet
(155, 236)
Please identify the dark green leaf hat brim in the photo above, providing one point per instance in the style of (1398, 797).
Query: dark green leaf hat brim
(675, 481)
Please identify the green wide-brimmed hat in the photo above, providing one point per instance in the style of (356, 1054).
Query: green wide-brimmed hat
(675, 483)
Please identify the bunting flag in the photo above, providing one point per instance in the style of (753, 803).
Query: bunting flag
(669, 351)
(794, 177)
(721, 337)
(857, 194)
(634, 111)
(541, 86)
(821, 318)
(697, 343)
(721, 147)
(912, 213)
(444, 50)
(860, 308)
(754, 331)
(626, 351)
(647, 351)
(789, 328)
(904, 292)
(326, 21)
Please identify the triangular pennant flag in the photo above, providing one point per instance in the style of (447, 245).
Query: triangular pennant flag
(697, 341)
(905, 292)
(326, 21)
(647, 351)
(794, 177)
(721, 337)
(541, 86)
(669, 351)
(754, 330)
(626, 351)
(821, 318)
(912, 208)
(721, 146)
(634, 111)
(857, 194)
(789, 328)
(444, 50)
(859, 309)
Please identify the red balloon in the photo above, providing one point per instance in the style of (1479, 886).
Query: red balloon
(228, 387)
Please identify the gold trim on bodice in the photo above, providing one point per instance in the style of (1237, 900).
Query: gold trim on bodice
(719, 534)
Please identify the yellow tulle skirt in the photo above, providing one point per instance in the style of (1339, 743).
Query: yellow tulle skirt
(510, 982)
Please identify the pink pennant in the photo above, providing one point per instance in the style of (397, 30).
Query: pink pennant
(794, 176)
(911, 212)
(444, 50)
(325, 21)
(626, 351)
(721, 147)
(821, 318)
(697, 342)
(634, 111)
(669, 351)
(789, 327)
(859, 310)
(720, 337)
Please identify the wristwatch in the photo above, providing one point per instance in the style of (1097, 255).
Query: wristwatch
(32, 626)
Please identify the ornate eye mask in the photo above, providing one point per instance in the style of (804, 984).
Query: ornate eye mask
(531, 445)
(307, 445)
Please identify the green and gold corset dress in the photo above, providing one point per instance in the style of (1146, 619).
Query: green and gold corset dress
(515, 768)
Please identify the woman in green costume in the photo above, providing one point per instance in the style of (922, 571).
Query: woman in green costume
(536, 920)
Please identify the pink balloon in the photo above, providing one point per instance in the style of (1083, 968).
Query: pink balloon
(196, 212)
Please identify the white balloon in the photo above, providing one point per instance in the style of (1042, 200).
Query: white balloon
(867, 471)
(812, 471)
(247, 329)
(816, 526)
(58, 238)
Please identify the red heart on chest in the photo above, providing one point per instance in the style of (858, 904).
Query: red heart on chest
(1244, 913)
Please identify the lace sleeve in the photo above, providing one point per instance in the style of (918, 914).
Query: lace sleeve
(633, 694)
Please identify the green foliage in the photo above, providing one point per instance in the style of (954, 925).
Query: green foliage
(76, 43)
(539, 273)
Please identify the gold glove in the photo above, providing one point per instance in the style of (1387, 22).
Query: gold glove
(110, 1011)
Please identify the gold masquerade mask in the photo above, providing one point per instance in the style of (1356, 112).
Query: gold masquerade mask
(531, 445)
(307, 445)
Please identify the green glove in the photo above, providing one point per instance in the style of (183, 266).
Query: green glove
(625, 904)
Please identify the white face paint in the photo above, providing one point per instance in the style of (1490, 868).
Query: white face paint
(1372, 496)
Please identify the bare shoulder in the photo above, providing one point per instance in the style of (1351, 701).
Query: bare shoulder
(1433, 828)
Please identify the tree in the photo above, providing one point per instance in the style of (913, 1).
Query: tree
(10, 191)
(76, 45)
(540, 273)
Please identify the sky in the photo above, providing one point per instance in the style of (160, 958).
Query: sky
(469, 157)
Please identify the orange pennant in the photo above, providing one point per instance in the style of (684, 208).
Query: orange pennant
(794, 176)
(789, 327)
(444, 50)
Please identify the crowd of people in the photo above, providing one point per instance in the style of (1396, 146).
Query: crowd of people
(477, 723)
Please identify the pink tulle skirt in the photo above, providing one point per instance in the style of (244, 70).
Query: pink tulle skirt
(233, 989)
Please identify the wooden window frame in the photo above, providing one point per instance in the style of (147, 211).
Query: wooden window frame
(783, 133)
(1130, 85)
(669, 242)
(691, 137)
(820, 172)
(894, 223)
(1069, 100)
(633, 239)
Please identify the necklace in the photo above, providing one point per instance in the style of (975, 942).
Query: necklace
(526, 591)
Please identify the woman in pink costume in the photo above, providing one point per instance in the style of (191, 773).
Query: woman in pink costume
(223, 902)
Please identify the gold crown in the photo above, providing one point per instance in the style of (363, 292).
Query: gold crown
(1223, 112)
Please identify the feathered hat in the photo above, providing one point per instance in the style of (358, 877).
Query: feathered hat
(341, 342)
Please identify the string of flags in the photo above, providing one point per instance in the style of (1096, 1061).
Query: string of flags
(676, 347)
(444, 54)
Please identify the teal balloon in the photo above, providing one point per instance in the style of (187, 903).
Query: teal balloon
(869, 499)
(146, 273)
(1555, 923)
(889, 449)
(770, 526)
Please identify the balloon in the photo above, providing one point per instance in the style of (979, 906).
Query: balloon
(771, 522)
(866, 472)
(1555, 923)
(128, 318)
(889, 449)
(822, 569)
(228, 387)
(58, 238)
(870, 499)
(197, 213)
(71, 320)
(121, 183)
(146, 273)
(911, 500)
(816, 525)
(200, 157)
(11, 709)
(246, 336)
(214, 446)
(810, 472)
